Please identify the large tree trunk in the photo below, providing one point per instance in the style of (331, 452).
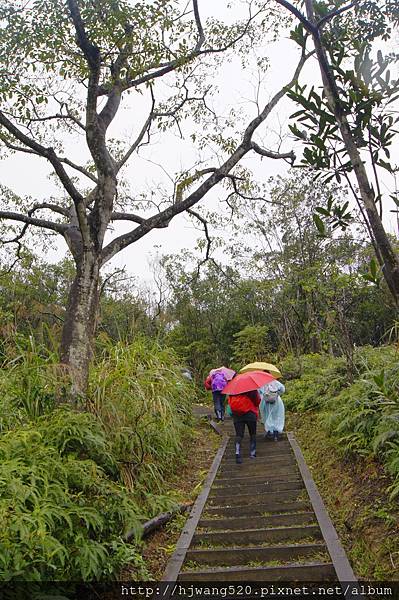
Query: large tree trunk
(79, 326)
(385, 253)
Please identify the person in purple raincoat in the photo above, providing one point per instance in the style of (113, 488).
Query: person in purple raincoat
(219, 381)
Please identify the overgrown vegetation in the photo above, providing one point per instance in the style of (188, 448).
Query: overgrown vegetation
(297, 269)
(72, 484)
(363, 416)
(350, 434)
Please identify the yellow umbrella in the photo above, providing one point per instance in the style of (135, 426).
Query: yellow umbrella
(262, 366)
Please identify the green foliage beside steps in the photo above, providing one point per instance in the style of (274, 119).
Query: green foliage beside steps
(363, 416)
(312, 379)
(72, 484)
(62, 513)
(138, 393)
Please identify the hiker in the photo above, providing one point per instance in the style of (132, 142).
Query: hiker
(218, 382)
(244, 408)
(272, 409)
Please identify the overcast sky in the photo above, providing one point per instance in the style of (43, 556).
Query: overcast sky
(29, 175)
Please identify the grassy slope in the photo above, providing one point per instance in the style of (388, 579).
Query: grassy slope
(354, 491)
(199, 455)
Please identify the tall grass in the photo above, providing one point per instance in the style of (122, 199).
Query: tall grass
(73, 483)
(62, 515)
(362, 416)
(144, 403)
(30, 381)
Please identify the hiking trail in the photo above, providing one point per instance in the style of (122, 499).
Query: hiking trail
(263, 520)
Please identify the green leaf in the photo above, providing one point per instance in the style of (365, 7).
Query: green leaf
(322, 211)
(385, 165)
(319, 224)
(373, 267)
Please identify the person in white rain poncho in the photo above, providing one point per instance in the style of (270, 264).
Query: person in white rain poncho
(272, 409)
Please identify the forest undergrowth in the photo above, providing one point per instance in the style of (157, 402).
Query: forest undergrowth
(349, 433)
(73, 483)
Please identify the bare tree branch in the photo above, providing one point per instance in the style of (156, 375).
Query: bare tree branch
(138, 140)
(334, 13)
(96, 125)
(297, 13)
(90, 51)
(208, 240)
(82, 170)
(276, 155)
(17, 148)
(61, 159)
(120, 216)
(12, 216)
(46, 153)
(51, 156)
(110, 109)
(47, 205)
(208, 257)
(174, 64)
(201, 35)
(218, 174)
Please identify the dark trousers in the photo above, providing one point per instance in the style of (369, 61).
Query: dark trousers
(218, 402)
(248, 419)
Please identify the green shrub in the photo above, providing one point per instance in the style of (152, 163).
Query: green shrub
(365, 419)
(362, 416)
(144, 403)
(62, 516)
(322, 377)
(71, 484)
(30, 382)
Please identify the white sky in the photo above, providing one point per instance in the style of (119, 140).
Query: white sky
(29, 175)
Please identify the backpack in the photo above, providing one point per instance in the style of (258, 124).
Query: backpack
(240, 404)
(218, 382)
(208, 383)
(271, 391)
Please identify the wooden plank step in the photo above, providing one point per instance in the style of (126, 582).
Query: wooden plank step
(240, 499)
(260, 508)
(264, 460)
(243, 556)
(261, 442)
(260, 457)
(256, 465)
(260, 433)
(245, 537)
(296, 572)
(248, 467)
(304, 518)
(238, 477)
(256, 488)
(243, 481)
(261, 450)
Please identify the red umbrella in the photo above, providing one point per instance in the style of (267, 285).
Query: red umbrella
(245, 382)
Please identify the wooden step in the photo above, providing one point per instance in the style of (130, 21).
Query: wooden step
(246, 537)
(276, 449)
(262, 442)
(248, 468)
(260, 456)
(296, 572)
(256, 488)
(242, 477)
(242, 499)
(261, 459)
(268, 506)
(304, 518)
(255, 479)
(243, 556)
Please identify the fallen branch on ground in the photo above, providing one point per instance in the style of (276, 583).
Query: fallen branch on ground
(157, 522)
